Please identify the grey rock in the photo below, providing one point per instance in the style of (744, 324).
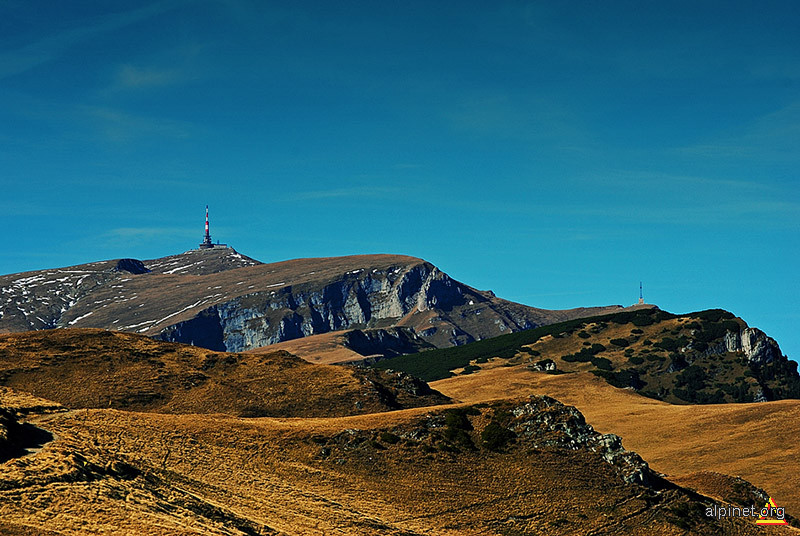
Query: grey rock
(757, 347)
(546, 422)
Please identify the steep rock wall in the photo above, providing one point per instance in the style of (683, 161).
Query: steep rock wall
(759, 348)
(359, 299)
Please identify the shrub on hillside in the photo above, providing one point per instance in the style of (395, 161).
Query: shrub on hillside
(677, 362)
(693, 377)
(622, 378)
(642, 320)
(667, 343)
(712, 331)
(390, 438)
(712, 315)
(699, 397)
(739, 391)
(457, 427)
(602, 363)
(495, 436)
(470, 369)
(622, 343)
(585, 355)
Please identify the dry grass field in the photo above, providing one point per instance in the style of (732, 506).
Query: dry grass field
(497, 462)
(322, 349)
(92, 368)
(112, 472)
(756, 441)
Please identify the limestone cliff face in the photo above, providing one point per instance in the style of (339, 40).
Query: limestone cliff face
(420, 297)
(755, 344)
(759, 348)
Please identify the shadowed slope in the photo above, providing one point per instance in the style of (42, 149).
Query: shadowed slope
(82, 368)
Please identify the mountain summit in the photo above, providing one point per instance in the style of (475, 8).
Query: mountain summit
(222, 300)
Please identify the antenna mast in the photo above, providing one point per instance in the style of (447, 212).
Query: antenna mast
(641, 296)
(207, 238)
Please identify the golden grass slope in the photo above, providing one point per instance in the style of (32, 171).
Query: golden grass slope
(323, 349)
(91, 368)
(121, 472)
(756, 441)
(409, 472)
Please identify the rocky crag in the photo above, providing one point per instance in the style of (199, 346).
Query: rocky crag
(225, 301)
(541, 422)
(705, 357)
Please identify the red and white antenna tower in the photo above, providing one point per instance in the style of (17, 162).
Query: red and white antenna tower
(207, 238)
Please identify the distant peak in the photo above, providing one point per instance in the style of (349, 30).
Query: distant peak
(201, 261)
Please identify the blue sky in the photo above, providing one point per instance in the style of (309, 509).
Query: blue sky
(554, 152)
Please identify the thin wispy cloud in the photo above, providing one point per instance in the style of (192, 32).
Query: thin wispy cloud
(125, 237)
(44, 50)
(90, 122)
(354, 192)
(24, 209)
(504, 114)
(650, 179)
(146, 232)
(775, 135)
(131, 77)
(119, 126)
(187, 62)
(702, 214)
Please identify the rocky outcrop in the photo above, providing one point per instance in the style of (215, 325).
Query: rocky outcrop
(546, 422)
(541, 423)
(16, 437)
(132, 266)
(544, 365)
(385, 343)
(758, 348)
(398, 390)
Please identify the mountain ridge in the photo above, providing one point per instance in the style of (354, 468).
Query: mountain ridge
(703, 357)
(225, 301)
